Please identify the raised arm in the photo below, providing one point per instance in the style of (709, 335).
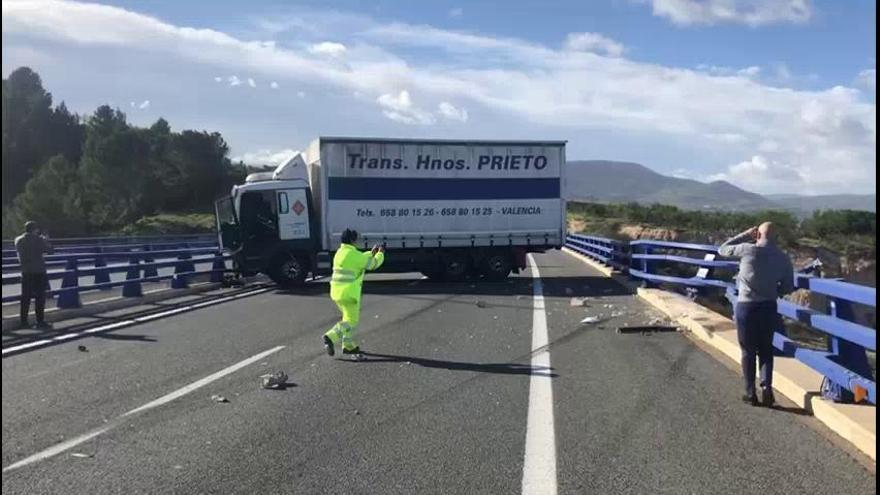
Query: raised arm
(736, 244)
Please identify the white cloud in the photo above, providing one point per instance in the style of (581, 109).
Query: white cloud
(301, 94)
(251, 83)
(868, 79)
(594, 42)
(828, 136)
(762, 174)
(749, 12)
(218, 79)
(456, 12)
(266, 157)
(233, 81)
(751, 71)
(273, 85)
(144, 105)
(451, 112)
(401, 109)
(328, 48)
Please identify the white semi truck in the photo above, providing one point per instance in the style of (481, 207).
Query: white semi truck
(449, 209)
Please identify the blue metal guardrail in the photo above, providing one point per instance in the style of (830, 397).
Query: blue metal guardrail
(140, 267)
(844, 363)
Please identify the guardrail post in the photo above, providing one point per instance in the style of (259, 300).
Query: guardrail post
(69, 295)
(149, 271)
(847, 354)
(102, 275)
(49, 294)
(645, 265)
(132, 285)
(218, 268)
(180, 278)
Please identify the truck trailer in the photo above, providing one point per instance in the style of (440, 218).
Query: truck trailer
(448, 209)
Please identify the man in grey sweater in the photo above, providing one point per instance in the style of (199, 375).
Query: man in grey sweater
(30, 247)
(765, 274)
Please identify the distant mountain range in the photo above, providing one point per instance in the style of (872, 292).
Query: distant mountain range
(620, 182)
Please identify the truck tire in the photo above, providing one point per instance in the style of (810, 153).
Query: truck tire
(455, 267)
(496, 266)
(288, 270)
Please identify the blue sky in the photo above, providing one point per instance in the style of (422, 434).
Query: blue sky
(772, 95)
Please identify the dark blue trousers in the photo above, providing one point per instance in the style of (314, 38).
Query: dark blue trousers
(755, 324)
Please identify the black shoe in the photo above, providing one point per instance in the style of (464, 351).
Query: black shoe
(750, 399)
(42, 325)
(767, 398)
(328, 346)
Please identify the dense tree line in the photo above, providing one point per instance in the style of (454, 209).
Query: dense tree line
(97, 174)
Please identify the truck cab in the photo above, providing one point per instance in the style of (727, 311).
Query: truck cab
(269, 224)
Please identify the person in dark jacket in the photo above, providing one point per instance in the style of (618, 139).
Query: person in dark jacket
(765, 274)
(31, 246)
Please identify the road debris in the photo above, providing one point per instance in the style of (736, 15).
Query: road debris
(578, 301)
(82, 348)
(80, 455)
(219, 398)
(274, 380)
(591, 319)
(481, 304)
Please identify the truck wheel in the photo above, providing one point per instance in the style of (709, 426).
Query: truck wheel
(288, 271)
(455, 268)
(496, 266)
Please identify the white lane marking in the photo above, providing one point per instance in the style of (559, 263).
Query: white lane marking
(57, 449)
(539, 466)
(125, 323)
(201, 383)
(73, 442)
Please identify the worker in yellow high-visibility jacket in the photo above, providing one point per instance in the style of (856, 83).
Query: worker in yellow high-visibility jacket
(349, 265)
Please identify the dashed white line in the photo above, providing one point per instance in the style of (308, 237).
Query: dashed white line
(539, 466)
(73, 442)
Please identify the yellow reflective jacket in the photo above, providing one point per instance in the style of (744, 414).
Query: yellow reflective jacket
(349, 266)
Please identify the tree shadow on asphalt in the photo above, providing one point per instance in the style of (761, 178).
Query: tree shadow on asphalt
(494, 368)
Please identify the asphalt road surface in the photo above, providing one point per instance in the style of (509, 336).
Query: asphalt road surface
(465, 388)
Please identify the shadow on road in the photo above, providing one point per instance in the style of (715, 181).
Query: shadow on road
(495, 368)
(589, 286)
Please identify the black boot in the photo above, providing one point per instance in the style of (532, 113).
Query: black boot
(328, 346)
(750, 399)
(767, 397)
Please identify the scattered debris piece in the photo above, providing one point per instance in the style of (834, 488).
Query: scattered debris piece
(591, 319)
(578, 301)
(495, 317)
(376, 317)
(274, 380)
(481, 304)
(80, 455)
(82, 348)
(178, 466)
(219, 398)
(357, 413)
(520, 297)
